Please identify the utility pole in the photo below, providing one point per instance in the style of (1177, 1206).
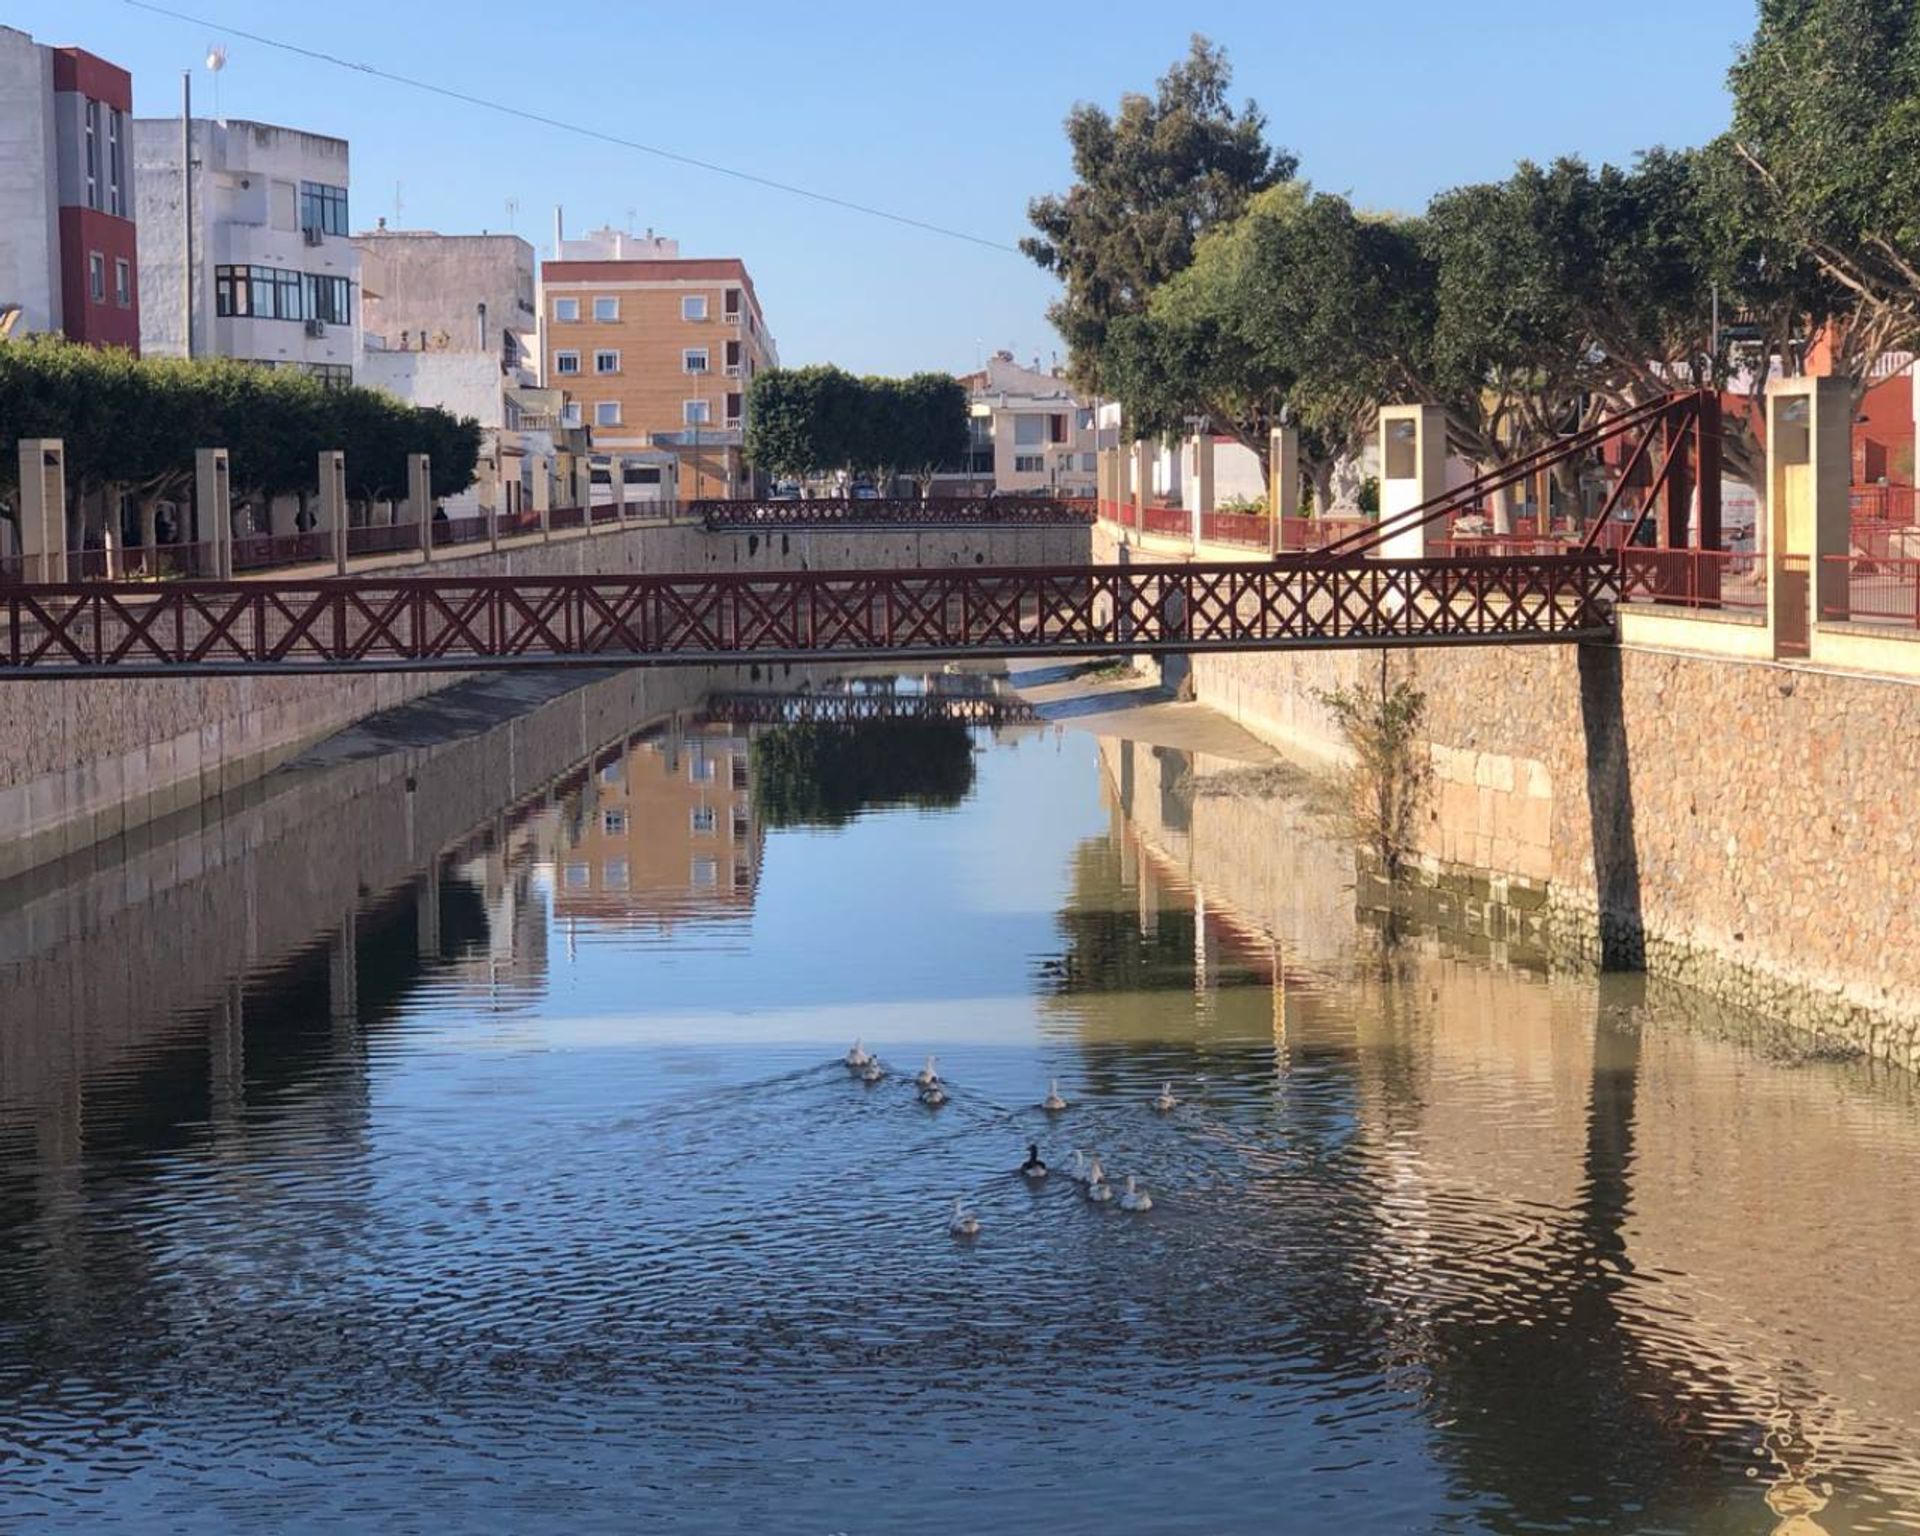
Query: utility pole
(186, 202)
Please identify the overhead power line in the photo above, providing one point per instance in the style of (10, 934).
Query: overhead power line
(582, 130)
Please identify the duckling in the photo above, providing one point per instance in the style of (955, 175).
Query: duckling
(1053, 1103)
(1166, 1103)
(1133, 1199)
(857, 1056)
(933, 1095)
(1078, 1171)
(872, 1072)
(964, 1223)
(1033, 1168)
(1098, 1189)
(927, 1075)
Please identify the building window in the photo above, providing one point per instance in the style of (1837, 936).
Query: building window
(606, 413)
(328, 298)
(700, 770)
(606, 309)
(116, 163)
(704, 873)
(566, 309)
(693, 306)
(260, 293)
(566, 362)
(733, 408)
(1029, 463)
(323, 208)
(123, 282)
(613, 823)
(333, 375)
(732, 304)
(695, 413)
(606, 361)
(577, 876)
(1056, 429)
(733, 359)
(615, 875)
(90, 130)
(693, 360)
(570, 414)
(702, 819)
(1029, 431)
(96, 277)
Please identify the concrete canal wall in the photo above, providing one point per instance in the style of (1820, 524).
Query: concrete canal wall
(1745, 827)
(84, 761)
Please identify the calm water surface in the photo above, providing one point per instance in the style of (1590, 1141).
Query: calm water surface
(530, 1195)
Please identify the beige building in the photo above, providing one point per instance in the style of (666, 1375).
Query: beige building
(1029, 434)
(656, 351)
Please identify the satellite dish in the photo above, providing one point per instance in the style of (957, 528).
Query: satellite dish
(216, 58)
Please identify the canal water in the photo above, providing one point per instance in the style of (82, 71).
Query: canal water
(524, 1188)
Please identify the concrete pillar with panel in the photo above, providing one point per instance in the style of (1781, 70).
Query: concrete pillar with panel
(1413, 470)
(43, 509)
(543, 496)
(1809, 519)
(420, 500)
(1142, 476)
(213, 507)
(1202, 482)
(333, 504)
(1283, 483)
(617, 486)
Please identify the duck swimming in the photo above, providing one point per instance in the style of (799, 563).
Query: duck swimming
(1033, 1168)
(857, 1056)
(1165, 1103)
(1132, 1199)
(1078, 1171)
(927, 1076)
(964, 1222)
(1053, 1103)
(1098, 1189)
(933, 1095)
(872, 1072)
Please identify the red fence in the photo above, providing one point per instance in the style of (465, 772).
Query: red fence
(383, 538)
(1249, 529)
(460, 530)
(1733, 581)
(372, 623)
(269, 549)
(930, 512)
(1864, 590)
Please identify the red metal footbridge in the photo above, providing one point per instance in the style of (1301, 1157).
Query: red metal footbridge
(1341, 596)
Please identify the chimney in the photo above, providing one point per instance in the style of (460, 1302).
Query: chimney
(559, 229)
(480, 317)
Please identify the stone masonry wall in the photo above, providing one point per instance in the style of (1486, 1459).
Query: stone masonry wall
(1747, 828)
(82, 761)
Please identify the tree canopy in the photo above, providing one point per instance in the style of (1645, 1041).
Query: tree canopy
(821, 420)
(134, 423)
(1149, 181)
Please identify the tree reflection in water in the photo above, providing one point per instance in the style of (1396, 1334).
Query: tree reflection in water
(827, 774)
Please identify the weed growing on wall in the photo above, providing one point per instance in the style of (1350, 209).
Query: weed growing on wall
(1388, 780)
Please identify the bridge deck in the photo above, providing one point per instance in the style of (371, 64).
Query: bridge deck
(433, 623)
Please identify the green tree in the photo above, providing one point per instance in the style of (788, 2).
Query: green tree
(1826, 120)
(1149, 181)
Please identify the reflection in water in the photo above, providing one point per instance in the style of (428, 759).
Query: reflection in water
(826, 774)
(440, 1186)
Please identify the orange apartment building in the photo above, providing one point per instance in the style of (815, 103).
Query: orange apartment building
(657, 351)
(663, 833)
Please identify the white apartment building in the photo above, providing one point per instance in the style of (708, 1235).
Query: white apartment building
(276, 279)
(1030, 434)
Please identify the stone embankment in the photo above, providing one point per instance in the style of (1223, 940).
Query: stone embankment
(1745, 827)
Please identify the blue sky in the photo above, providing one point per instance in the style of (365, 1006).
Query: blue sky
(948, 114)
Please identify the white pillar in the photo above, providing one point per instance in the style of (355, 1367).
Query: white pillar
(420, 500)
(1413, 470)
(617, 478)
(1283, 483)
(333, 504)
(543, 496)
(1142, 478)
(43, 508)
(1809, 519)
(1202, 481)
(213, 507)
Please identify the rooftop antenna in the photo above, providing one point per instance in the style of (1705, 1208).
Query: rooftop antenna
(513, 215)
(216, 61)
(397, 205)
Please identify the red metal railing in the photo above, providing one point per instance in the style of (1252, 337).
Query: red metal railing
(935, 511)
(1725, 580)
(1168, 522)
(383, 538)
(263, 550)
(1249, 529)
(460, 530)
(567, 517)
(1298, 534)
(606, 512)
(514, 524)
(376, 623)
(1860, 590)
(168, 562)
(1882, 504)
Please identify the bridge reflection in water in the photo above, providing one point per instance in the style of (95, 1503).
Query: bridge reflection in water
(1439, 1238)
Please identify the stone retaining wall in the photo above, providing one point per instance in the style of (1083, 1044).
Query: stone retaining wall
(1745, 827)
(86, 760)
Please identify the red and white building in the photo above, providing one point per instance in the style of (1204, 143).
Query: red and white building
(68, 258)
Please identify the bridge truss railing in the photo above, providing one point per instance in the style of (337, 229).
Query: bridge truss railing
(925, 512)
(416, 623)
